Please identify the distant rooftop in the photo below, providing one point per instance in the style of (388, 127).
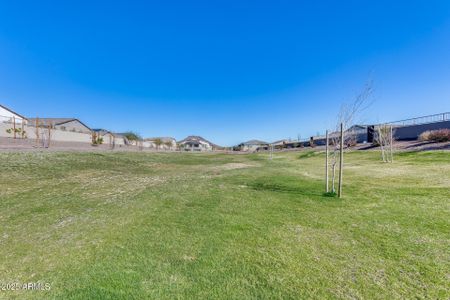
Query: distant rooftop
(56, 121)
(11, 111)
(196, 138)
(254, 142)
(163, 139)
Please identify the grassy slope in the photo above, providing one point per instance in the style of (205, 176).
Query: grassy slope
(125, 225)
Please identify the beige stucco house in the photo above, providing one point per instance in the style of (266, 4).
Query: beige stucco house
(252, 145)
(196, 143)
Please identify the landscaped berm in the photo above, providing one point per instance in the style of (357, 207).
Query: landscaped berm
(204, 226)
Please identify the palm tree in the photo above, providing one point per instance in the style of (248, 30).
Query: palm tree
(168, 144)
(133, 137)
(158, 142)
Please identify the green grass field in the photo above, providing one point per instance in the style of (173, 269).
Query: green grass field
(141, 225)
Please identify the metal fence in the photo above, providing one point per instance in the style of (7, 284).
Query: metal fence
(442, 117)
(362, 132)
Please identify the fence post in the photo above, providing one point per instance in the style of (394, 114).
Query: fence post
(341, 161)
(326, 163)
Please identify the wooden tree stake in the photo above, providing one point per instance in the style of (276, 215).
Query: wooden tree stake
(391, 146)
(341, 161)
(326, 163)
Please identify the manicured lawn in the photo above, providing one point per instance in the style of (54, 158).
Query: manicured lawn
(141, 225)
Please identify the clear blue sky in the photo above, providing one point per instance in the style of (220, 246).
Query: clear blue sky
(227, 70)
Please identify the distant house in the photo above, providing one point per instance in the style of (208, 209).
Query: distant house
(64, 124)
(280, 144)
(253, 145)
(9, 116)
(354, 134)
(359, 133)
(167, 143)
(196, 143)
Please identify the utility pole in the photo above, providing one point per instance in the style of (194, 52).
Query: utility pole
(341, 161)
(326, 162)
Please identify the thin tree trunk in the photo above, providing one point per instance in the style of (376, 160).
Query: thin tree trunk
(341, 161)
(391, 146)
(14, 127)
(333, 179)
(49, 133)
(381, 142)
(326, 164)
(37, 131)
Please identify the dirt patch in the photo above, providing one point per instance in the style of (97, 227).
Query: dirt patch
(234, 166)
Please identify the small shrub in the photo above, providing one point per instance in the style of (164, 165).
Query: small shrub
(96, 139)
(425, 136)
(17, 130)
(330, 194)
(441, 135)
(437, 136)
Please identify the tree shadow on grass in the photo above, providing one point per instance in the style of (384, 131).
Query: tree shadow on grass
(312, 192)
(330, 194)
(287, 188)
(287, 184)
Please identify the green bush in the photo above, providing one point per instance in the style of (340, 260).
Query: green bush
(17, 130)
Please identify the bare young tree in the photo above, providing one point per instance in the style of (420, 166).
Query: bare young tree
(345, 135)
(384, 137)
(46, 134)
